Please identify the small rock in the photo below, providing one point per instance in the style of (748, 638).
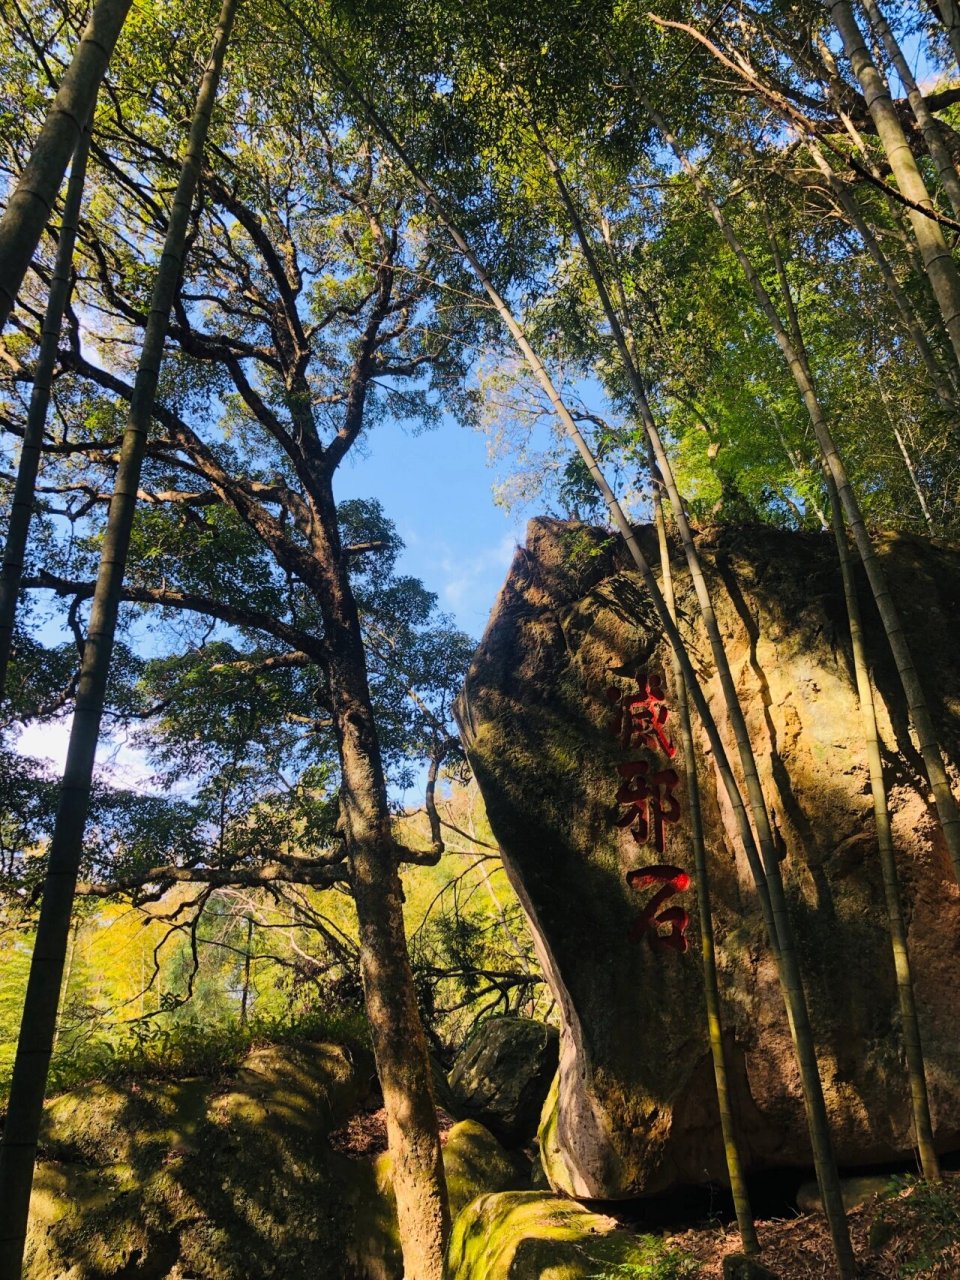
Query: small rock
(855, 1192)
(737, 1266)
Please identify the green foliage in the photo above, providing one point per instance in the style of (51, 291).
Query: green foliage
(656, 1261)
(190, 1047)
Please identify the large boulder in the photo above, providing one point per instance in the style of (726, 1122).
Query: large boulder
(502, 1076)
(519, 1235)
(230, 1180)
(474, 1163)
(568, 718)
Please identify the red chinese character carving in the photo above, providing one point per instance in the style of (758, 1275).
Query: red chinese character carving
(674, 880)
(639, 718)
(647, 795)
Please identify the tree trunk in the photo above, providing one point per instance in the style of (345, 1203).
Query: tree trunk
(711, 986)
(31, 203)
(937, 258)
(888, 863)
(21, 507)
(950, 15)
(18, 1151)
(769, 886)
(399, 1043)
(944, 392)
(798, 1015)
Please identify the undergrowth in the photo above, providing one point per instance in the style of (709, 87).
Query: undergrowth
(656, 1261)
(167, 1049)
(921, 1230)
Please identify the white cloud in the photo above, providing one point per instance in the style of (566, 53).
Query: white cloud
(470, 583)
(118, 762)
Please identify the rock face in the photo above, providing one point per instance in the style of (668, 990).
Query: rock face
(503, 1076)
(158, 1179)
(568, 717)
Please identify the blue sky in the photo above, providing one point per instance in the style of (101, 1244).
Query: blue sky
(437, 488)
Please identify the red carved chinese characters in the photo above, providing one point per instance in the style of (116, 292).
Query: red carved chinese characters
(639, 718)
(647, 796)
(674, 880)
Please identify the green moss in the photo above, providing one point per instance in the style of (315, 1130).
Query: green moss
(515, 1235)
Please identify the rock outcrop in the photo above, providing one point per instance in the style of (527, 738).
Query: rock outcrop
(568, 719)
(232, 1180)
(503, 1076)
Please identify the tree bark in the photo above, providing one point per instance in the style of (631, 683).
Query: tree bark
(916, 1071)
(18, 1151)
(21, 507)
(399, 1043)
(798, 1015)
(918, 104)
(711, 986)
(31, 203)
(944, 391)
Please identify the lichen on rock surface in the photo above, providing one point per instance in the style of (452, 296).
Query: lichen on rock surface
(502, 1076)
(234, 1179)
(572, 640)
(223, 1181)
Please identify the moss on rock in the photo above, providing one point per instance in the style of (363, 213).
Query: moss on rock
(517, 1235)
(227, 1183)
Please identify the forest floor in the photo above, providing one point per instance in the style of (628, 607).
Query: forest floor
(915, 1234)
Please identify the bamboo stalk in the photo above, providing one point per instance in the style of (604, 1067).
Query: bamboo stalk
(711, 986)
(798, 1015)
(918, 103)
(18, 1150)
(937, 258)
(893, 626)
(29, 207)
(916, 1071)
(21, 508)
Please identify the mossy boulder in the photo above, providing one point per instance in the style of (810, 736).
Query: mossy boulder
(569, 719)
(502, 1076)
(519, 1235)
(474, 1163)
(227, 1181)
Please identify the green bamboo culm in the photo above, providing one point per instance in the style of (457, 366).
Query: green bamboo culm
(617, 516)
(916, 1069)
(711, 986)
(38, 1024)
(918, 104)
(943, 796)
(798, 1016)
(767, 879)
(937, 259)
(31, 204)
(21, 508)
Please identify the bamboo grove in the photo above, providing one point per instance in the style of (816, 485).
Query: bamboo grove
(285, 226)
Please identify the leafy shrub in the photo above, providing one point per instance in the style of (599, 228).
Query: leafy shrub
(166, 1048)
(656, 1261)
